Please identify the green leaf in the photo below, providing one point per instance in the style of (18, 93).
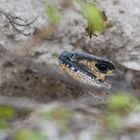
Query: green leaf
(3, 124)
(53, 13)
(95, 17)
(121, 102)
(29, 135)
(7, 112)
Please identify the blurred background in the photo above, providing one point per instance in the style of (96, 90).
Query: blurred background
(37, 103)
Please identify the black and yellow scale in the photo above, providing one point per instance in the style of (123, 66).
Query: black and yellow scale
(86, 68)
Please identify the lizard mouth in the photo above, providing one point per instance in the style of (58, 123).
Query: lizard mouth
(71, 60)
(86, 68)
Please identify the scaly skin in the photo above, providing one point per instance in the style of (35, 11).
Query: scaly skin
(86, 68)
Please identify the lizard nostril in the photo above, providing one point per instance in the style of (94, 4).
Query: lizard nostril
(73, 57)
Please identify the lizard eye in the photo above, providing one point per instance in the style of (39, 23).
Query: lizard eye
(102, 67)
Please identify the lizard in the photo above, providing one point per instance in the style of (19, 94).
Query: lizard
(87, 68)
(97, 75)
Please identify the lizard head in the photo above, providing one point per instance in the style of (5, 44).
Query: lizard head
(87, 68)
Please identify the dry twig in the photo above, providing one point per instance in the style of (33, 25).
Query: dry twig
(14, 21)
